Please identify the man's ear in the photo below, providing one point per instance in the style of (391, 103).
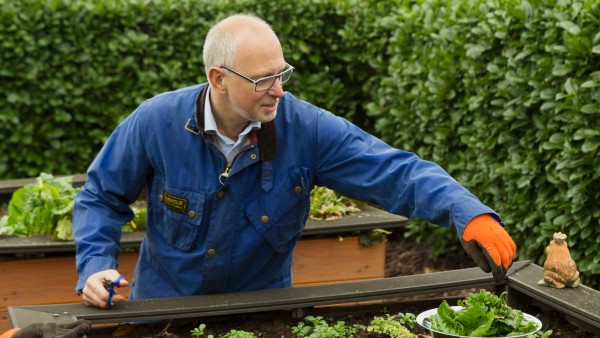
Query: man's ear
(217, 79)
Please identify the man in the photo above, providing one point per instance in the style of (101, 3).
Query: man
(228, 168)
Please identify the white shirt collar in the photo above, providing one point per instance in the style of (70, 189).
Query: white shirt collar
(210, 125)
(226, 144)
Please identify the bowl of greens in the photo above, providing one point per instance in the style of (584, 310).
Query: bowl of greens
(482, 314)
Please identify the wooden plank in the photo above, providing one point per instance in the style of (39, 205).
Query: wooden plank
(581, 303)
(266, 300)
(45, 281)
(331, 260)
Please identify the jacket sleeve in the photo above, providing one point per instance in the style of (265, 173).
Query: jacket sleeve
(363, 167)
(115, 179)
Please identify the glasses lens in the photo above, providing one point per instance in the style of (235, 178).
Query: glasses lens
(286, 75)
(265, 84)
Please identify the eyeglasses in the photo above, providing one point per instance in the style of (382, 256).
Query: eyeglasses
(265, 83)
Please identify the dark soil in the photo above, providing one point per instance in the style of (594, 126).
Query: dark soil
(404, 257)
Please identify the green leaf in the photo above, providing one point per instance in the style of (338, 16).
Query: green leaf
(548, 106)
(570, 87)
(590, 145)
(474, 51)
(558, 138)
(584, 133)
(561, 70)
(596, 49)
(592, 108)
(485, 327)
(562, 220)
(445, 320)
(473, 318)
(570, 27)
(64, 229)
(590, 84)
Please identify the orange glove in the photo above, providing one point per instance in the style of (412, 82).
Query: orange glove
(9, 333)
(489, 245)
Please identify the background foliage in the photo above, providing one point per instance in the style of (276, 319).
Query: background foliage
(503, 94)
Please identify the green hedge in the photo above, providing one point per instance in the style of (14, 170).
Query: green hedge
(71, 70)
(503, 94)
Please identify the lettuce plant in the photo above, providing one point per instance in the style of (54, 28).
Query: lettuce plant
(484, 314)
(43, 208)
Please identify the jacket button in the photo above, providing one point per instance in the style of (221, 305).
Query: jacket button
(192, 214)
(264, 219)
(211, 252)
(253, 156)
(298, 189)
(220, 194)
(160, 197)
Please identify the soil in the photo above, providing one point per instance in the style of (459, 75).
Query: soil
(403, 257)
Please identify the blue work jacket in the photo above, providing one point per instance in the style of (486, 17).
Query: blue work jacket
(215, 227)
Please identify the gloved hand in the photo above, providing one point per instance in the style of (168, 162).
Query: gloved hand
(52, 330)
(489, 245)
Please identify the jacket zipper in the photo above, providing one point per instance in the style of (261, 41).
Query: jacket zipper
(225, 174)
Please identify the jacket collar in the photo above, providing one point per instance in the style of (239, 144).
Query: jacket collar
(266, 136)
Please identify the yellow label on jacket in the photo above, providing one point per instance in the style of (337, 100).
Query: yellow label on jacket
(175, 203)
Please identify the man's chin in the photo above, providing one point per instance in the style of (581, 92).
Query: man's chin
(267, 117)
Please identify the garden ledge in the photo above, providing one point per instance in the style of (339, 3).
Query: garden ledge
(581, 304)
(369, 218)
(332, 241)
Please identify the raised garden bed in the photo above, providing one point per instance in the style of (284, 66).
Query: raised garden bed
(54, 272)
(271, 312)
(557, 311)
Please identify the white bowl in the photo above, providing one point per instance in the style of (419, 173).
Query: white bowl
(423, 320)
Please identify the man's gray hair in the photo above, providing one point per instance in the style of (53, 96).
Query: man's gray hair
(220, 43)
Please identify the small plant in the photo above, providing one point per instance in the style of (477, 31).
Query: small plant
(319, 327)
(199, 331)
(393, 325)
(138, 223)
(326, 204)
(238, 334)
(373, 237)
(541, 334)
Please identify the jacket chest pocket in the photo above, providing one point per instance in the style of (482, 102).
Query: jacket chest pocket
(180, 217)
(279, 215)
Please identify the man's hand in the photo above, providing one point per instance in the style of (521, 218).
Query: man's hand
(52, 330)
(94, 292)
(489, 245)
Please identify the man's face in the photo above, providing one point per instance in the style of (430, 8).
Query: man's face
(259, 57)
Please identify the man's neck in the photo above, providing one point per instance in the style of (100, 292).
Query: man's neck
(229, 124)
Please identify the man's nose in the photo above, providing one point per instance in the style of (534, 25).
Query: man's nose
(276, 89)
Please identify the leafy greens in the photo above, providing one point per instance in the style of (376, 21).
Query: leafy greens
(484, 314)
(43, 208)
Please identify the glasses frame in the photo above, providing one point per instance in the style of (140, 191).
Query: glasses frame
(289, 68)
